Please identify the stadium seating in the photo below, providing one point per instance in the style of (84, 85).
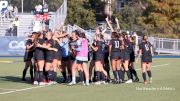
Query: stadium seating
(25, 25)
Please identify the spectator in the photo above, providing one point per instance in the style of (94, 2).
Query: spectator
(45, 8)
(10, 31)
(10, 11)
(37, 25)
(16, 26)
(15, 11)
(47, 24)
(38, 9)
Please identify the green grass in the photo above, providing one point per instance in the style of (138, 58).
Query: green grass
(165, 76)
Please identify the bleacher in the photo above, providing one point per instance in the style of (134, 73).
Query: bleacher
(25, 25)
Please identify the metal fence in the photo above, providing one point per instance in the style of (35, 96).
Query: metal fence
(58, 19)
(70, 29)
(165, 45)
(160, 45)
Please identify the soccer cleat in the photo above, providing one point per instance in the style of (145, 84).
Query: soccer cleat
(97, 83)
(49, 83)
(54, 82)
(81, 83)
(150, 80)
(136, 80)
(64, 81)
(71, 83)
(42, 84)
(35, 83)
(115, 82)
(103, 82)
(129, 81)
(23, 79)
(120, 81)
(87, 84)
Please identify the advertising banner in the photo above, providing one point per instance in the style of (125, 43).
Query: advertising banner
(12, 46)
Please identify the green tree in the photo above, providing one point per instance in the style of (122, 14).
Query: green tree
(128, 15)
(162, 18)
(81, 14)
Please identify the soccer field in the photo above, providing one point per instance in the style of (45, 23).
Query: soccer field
(165, 86)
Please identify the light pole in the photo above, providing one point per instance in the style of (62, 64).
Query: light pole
(43, 2)
(22, 6)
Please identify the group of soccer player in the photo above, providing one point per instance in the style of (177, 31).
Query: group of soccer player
(48, 52)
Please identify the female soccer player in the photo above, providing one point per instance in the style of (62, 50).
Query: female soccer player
(145, 49)
(40, 60)
(99, 60)
(126, 56)
(77, 64)
(56, 58)
(132, 59)
(115, 55)
(65, 58)
(81, 56)
(28, 56)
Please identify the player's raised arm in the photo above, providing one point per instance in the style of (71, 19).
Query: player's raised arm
(109, 24)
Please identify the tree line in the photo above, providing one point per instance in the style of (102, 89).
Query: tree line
(160, 18)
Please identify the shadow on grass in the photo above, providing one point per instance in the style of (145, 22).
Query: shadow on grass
(17, 79)
(14, 79)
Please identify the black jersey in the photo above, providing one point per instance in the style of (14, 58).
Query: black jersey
(106, 54)
(127, 46)
(100, 45)
(41, 42)
(57, 55)
(146, 51)
(30, 42)
(131, 50)
(130, 47)
(115, 45)
(39, 52)
(93, 52)
(49, 42)
(29, 52)
(146, 48)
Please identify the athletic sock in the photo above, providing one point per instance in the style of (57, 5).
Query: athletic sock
(97, 76)
(24, 73)
(41, 76)
(131, 72)
(31, 73)
(70, 77)
(134, 72)
(119, 74)
(115, 75)
(128, 74)
(81, 76)
(64, 75)
(144, 76)
(123, 74)
(73, 78)
(102, 76)
(54, 76)
(149, 74)
(46, 75)
(36, 75)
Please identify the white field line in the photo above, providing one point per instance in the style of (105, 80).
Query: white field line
(156, 66)
(19, 90)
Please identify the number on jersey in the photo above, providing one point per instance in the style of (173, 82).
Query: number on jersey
(116, 44)
(147, 47)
